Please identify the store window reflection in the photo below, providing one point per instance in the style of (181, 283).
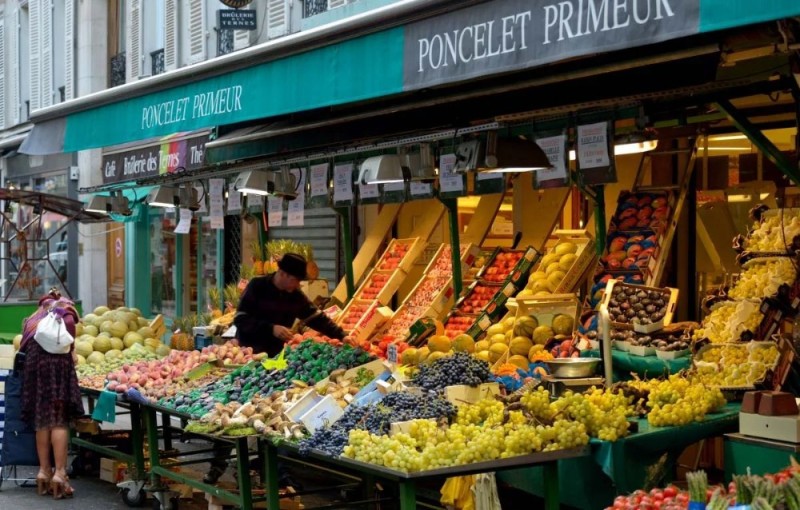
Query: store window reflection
(162, 261)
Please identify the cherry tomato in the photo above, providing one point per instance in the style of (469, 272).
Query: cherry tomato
(671, 492)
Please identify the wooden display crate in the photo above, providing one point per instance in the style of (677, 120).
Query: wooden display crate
(585, 257)
(496, 304)
(415, 248)
(351, 309)
(546, 308)
(391, 282)
(649, 328)
(519, 273)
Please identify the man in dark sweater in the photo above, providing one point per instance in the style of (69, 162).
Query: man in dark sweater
(267, 310)
(270, 304)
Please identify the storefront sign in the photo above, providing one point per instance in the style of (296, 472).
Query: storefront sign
(154, 160)
(235, 19)
(515, 34)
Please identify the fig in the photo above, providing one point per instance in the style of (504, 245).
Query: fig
(650, 309)
(625, 306)
(641, 294)
(633, 300)
(630, 314)
(641, 314)
(613, 302)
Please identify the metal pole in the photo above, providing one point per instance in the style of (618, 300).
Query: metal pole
(347, 239)
(455, 242)
(600, 218)
(220, 267)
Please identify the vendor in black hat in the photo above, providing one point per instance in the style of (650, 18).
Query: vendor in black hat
(270, 304)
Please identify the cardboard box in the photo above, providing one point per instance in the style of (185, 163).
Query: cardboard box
(113, 471)
(7, 351)
(323, 413)
(779, 428)
(6, 363)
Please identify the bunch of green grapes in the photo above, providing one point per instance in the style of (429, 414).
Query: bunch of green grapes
(537, 402)
(604, 414)
(733, 355)
(679, 401)
(763, 279)
(723, 324)
(712, 355)
(486, 412)
(767, 236)
(768, 354)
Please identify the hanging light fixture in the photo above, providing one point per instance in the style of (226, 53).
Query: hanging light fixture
(495, 155)
(421, 165)
(253, 182)
(284, 184)
(384, 169)
(164, 196)
(187, 198)
(98, 204)
(119, 204)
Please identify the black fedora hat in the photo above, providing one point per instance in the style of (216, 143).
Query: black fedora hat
(294, 264)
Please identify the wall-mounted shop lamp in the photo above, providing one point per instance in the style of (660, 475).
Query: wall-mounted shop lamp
(383, 169)
(164, 196)
(284, 184)
(507, 155)
(98, 204)
(622, 149)
(115, 203)
(420, 165)
(187, 198)
(254, 182)
(741, 197)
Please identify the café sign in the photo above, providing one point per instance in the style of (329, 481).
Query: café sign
(154, 160)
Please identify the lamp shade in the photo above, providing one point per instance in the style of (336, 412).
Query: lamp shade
(383, 170)
(255, 182)
(515, 155)
(284, 184)
(163, 196)
(98, 204)
(119, 204)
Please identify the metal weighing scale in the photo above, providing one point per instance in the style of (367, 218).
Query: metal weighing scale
(558, 385)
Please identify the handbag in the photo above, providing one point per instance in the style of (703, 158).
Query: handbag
(52, 335)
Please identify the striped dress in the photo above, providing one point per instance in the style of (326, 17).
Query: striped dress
(50, 393)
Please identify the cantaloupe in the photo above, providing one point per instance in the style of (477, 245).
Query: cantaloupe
(90, 329)
(118, 329)
(520, 345)
(117, 344)
(83, 348)
(464, 343)
(100, 310)
(482, 345)
(132, 337)
(542, 334)
(525, 325)
(95, 358)
(563, 324)
(496, 351)
(439, 343)
(101, 344)
(520, 361)
(105, 326)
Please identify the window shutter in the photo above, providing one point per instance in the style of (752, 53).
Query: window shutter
(69, 49)
(241, 39)
(197, 31)
(46, 47)
(133, 43)
(2, 71)
(13, 71)
(277, 18)
(35, 54)
(171, 35)
(333, 4)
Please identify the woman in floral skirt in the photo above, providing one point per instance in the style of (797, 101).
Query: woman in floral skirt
(51, 398)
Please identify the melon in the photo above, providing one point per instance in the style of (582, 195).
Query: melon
(131, 338)
(104, 333)
(547, 261)
(439, 343)
(563, 324)
(565, 247)
(100, 310)
(567, 260)
(81, 360)
(17, 341)
(117, 344)
(540, 286)
(542, 334)
(423, 353)
(525, 325)
(508, 323)
(497, 351)
(463, 343)
(90, 318)
(435, 355)
(136, 312)
(520, 345)
(499, 338)
(482, 355)
(525, 293)
(146, 332)
(95, 358)
(101, 344)
(519, 361)
(122, 309)
(555, 278)
(83, 348)
(90, 329)
(495, 329)
(105, 326)
(536, 276)
(482, 345)
(79, 329)
(410, 356)
(551, 269)
(142, 322)
(133, 325)
(164, 350)
(114, 354)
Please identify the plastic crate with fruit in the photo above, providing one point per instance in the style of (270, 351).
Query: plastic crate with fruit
(643, 309)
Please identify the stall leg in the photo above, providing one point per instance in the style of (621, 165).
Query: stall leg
(166, 430)
(243, 471)
(271, 474)
(551, 501)
(408, 495)
(137, 439)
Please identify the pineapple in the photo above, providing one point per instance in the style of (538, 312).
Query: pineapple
(232, 294)
(214, 300)
(257, 258)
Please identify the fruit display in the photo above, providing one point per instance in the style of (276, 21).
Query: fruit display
(761, 278)
(728, 320)
(638, 211)
(674, 401)
(110, 333)
(394, 254)
(502, 264)
(477, 265)
(658, 342)
(458, 324)
(355, 313)
(638, 305)
(309, 363)
(93, 376)
(629, 251)
(478, 297)
(459, 368)
(775, 232)
(511, 339)
(374, 285)
(736, 364)
(549, 275)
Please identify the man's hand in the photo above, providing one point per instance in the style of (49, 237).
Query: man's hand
(282, 333)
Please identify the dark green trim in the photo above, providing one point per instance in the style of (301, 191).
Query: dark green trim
(138, 283)
(347, 239)
(455, 242)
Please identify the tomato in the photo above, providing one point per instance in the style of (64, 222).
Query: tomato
(670, 491)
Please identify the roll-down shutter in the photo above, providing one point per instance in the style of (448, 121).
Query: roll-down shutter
(321, 231)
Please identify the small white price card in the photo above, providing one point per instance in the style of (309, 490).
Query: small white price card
(297, 207)
(368, 190)
(319, 180)
(420, 188)
(593, 145)
(449, 181)
(234, 200)
(555, 147)
(343, 182)
(274, 211)
(184, 223)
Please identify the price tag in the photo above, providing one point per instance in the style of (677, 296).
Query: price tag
(555, 148)
(420, 188)
(297, 207)
(368, 191)
(319, 180)
(185, 222)
(391, 353)
(343, 182)
(593, 145)
(274, 211)
(234, 200)
(449, 181)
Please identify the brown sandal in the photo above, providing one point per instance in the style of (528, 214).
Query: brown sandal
(43, 483)
(61, 487)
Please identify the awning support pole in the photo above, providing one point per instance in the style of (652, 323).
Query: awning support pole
(347, 239)
(759, 140)
(600, 218)
(455, 243)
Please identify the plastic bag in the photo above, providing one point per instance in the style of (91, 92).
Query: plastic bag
(457, 493)
(52, 335)
(484, 491)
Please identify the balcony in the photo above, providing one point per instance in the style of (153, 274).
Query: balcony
(117, 71)
(157, 62)
(314, 7)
